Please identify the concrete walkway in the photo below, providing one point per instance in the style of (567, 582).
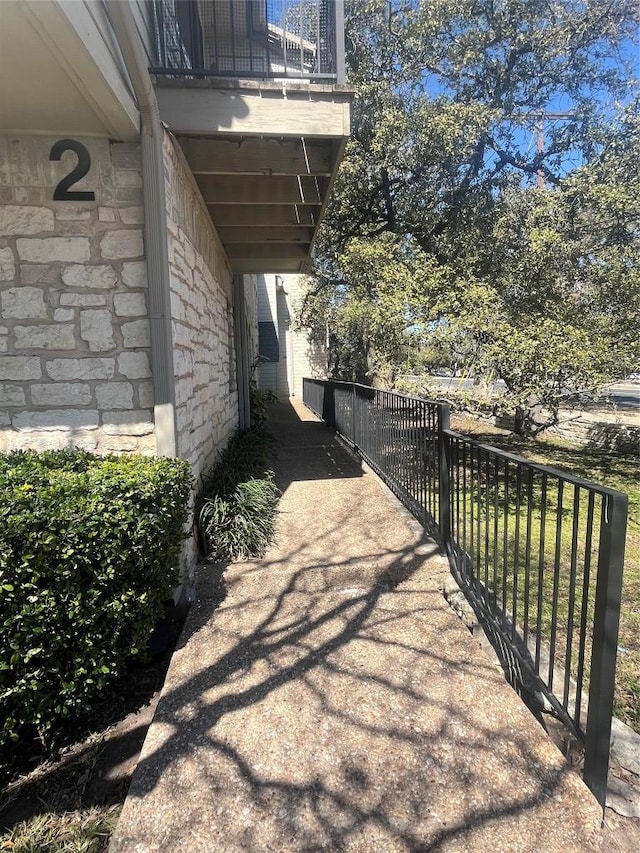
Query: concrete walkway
(334, 702)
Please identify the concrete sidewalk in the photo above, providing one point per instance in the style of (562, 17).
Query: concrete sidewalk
(333, 701)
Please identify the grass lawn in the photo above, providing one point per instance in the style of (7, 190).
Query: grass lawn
(617, 471)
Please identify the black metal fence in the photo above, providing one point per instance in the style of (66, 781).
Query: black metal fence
(249, 38)
(538, 552)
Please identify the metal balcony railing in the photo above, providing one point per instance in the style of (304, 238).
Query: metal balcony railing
(263, 39)
(538, 552)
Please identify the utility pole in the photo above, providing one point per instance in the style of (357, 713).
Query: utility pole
(539, 129)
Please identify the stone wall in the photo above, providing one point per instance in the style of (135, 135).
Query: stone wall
(74, 333)
(202, 321)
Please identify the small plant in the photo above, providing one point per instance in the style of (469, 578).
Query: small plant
(259, 400)
(237, 510)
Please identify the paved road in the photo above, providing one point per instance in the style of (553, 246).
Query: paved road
(623, 394)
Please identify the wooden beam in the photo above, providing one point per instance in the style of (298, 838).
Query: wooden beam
(264, 234)
(257, 251)
(276, 265)
(255, 156)
(261, 189)
(264, 214)
(309, 113)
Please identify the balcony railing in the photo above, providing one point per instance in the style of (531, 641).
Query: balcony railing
(538, 552)
(263, 39)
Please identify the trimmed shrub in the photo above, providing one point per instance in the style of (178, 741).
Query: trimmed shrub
(89, 550)
(237, 510)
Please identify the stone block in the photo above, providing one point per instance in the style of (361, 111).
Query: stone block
(189, 255)
(57, 419)
(132, 215)
(182, 362)
(20, 367)
(201, 374)
(22, 220)
(128, 178)
(184, 390)
(51, 249)
(76, 229)
(61, 394)
(182, 335)
(7, 265)
(123, 243)
(49, 439)
(11, 395)
(82, 300)
(63, 315)
(125, 155)
(137, 422)
(114, 395)
(130, 304)
(134, 274)
(129, 195)
(30, 195)
(39, 274)
(119, 444)
(100, 276)
(80, 368)
(106, 214)
(146, 397)
(96, 329)
(134, 365)
(72, 214)
(136, 334)
(57, 337)
(23, 303)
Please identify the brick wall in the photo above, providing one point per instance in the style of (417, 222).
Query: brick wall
(74, 334)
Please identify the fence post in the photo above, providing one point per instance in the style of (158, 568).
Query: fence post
(353, 415)
(606, 619)
(444, 481)
(328, 404)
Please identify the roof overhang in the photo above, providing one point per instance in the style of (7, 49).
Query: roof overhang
(60, 72)
(264, 157)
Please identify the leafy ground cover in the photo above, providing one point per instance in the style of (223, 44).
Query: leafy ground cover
(618, 471)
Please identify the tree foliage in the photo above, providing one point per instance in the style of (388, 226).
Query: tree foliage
(450, 223)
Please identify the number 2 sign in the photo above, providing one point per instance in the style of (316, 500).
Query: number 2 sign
(62, 191)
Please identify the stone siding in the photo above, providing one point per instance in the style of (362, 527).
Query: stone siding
(202, 321)
(74, 334)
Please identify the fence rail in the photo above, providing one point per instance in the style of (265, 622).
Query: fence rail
(301, 39)
(538, 552)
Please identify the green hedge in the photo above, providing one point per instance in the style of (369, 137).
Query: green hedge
(89, 549)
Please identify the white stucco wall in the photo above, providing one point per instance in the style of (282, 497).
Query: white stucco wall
(279, 300)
